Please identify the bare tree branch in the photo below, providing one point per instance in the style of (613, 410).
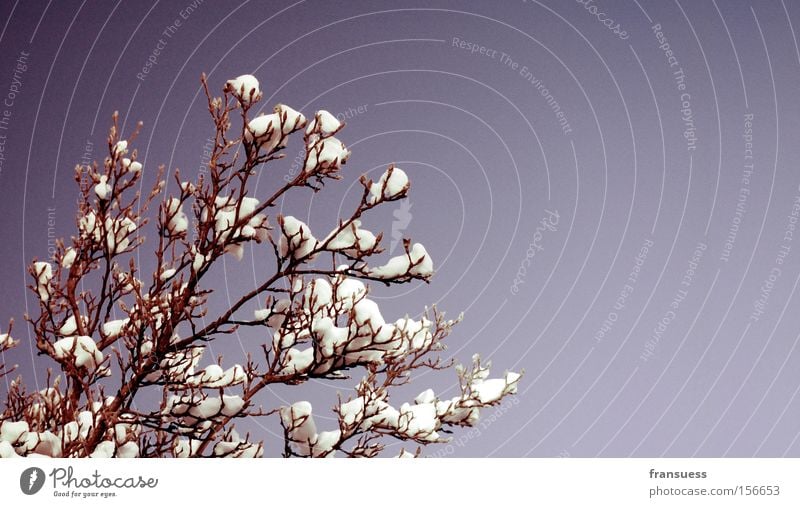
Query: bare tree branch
(114, 334)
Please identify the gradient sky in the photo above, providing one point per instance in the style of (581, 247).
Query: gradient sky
(688, 350)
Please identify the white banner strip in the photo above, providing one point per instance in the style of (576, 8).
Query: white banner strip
(613, 482)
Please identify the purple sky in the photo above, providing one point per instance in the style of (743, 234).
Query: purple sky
(653, 310)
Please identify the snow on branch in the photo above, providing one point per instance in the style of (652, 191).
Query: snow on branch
(115, 333)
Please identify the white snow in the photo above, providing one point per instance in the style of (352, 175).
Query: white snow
(348, 291)
(324, 124)
(44, 273)
(6, 450)
(117, 231)
(275, 315)
(368, 313)
(213, 376)
(13, 431)
(6, 341)
(222, 201)
(422, 260)
(184, 448)
(50, 395)
(426, 396)
(492, 390)
(296, 238)
(128, 450)
(123, 228)
(232, 405)
(245, 88)
(102, 189)
(198, 262)
(291, 120)
(402, 264)
(88, 226)
(296, 412)
(45, 443)
(236, 448)
(226, 218)
(132, 166)
(264, 131)
(318, 295)
(70, 431)
(417, 332)
(210, 374)
(248, 231)
(180, 405)
(114, 328)
(177, 405)
(298, 361)
(282, 339)
(352, 411)
(324, 443)
(329, 336)
(250, 451)
(69, 258)
(146, 348)
(84, 349)
(296, 283)
(178, 221)
(392, 184)
(126, 431)
(462, 415)
(127, 282)
(298, 420)
(207, 408)
(248, 206)
(167, 274)
(513, 378)
(419, 421)
(85, 423)
(121, 148)
(328, 153)
(225, 448)
(351, 239)
(385, 415)
(104, 449)
(181, 364)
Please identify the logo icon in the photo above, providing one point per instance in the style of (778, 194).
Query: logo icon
(31, 480)
(402, 217)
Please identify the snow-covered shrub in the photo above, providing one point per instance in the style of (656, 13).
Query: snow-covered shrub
(115, 333)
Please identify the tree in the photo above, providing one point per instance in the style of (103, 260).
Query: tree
(316, 312)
